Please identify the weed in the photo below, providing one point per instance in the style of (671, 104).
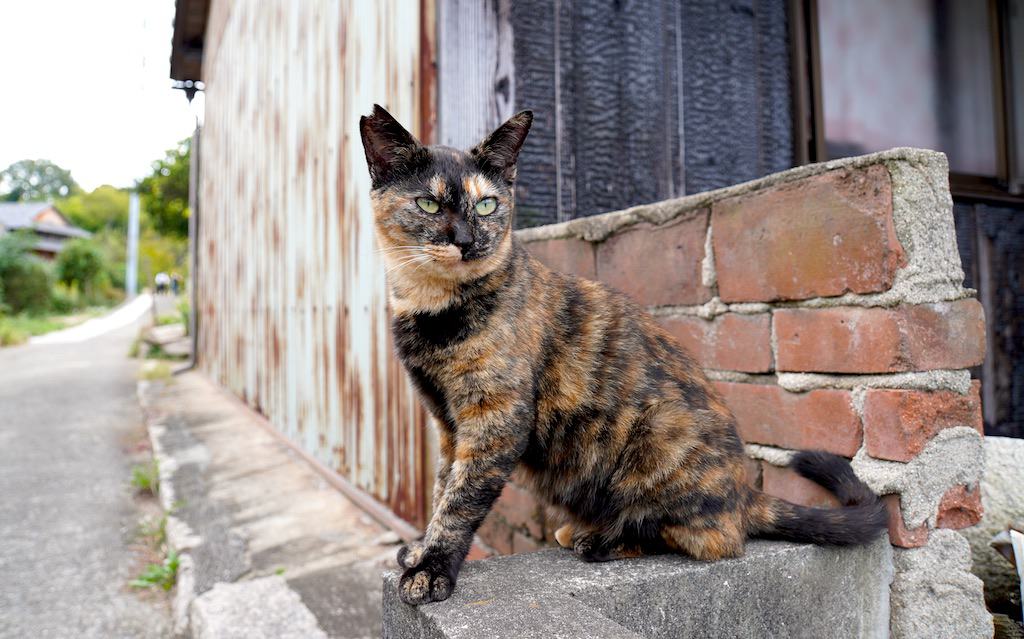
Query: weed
(146, 478)
(279, 571)
(164, 320)
(155, 530)
(155, 371)
(161, 575)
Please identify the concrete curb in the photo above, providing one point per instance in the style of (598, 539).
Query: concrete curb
(265, 547)
(178, 538)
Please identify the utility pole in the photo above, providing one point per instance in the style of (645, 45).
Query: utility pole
(131, 277)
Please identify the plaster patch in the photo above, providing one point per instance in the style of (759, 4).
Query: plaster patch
(955, 456)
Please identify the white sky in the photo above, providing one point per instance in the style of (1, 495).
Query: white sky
(85, 84)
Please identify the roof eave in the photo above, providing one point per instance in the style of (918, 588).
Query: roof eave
(190, 18)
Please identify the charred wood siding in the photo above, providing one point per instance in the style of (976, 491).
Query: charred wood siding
(991, 241)
(634, 101)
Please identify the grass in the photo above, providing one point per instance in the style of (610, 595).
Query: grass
(135, 348)
(155, 530)
(16, 329)
(163, 575)
(164, 320)
(146, 478)
(155, 370)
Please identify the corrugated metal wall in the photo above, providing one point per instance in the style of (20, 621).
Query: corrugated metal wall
(291, 293)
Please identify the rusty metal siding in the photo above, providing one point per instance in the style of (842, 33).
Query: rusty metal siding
(290, 288)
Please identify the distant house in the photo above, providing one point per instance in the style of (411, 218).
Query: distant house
(48, 224)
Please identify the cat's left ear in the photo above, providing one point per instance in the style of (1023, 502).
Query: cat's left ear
(500, 149)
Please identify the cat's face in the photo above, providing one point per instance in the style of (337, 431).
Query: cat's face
(441, 212)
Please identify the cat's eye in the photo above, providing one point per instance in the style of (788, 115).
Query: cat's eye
(428, 205)
(486, 206)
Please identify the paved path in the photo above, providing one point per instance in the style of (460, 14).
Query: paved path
(67, 517)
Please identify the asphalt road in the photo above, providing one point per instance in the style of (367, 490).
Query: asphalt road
(68, 417)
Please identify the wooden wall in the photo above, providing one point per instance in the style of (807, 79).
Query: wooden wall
(991, 241)
(634, 101)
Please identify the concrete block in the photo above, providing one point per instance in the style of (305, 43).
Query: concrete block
(776, 590)
(934, 595)
(1002, 493)
(257, 609)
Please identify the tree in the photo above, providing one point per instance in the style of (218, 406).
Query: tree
(165, 192)
(105, 207)
(81, 264)
(35, 180)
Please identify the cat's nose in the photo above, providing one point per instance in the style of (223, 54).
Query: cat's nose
(461, 236)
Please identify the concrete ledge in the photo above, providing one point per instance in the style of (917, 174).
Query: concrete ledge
(776, 590)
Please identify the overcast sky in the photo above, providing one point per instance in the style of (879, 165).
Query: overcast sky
(85, 84)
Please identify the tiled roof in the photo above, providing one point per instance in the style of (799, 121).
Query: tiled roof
(20, 215)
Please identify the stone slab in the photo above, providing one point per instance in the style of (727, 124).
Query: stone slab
(776, 589)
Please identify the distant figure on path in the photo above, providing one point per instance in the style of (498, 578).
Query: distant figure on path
(163, 282)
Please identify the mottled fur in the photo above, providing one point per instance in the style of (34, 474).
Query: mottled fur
(604, 415)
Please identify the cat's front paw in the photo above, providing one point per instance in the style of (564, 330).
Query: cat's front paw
(425, 584)
(411, 554)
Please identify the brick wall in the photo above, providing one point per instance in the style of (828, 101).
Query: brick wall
(827, 305)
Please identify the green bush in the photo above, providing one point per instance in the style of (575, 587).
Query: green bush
(27, 286)
(26, 278)
(81, 264)
(65, 299)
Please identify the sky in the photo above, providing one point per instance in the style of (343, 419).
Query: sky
(86, 85)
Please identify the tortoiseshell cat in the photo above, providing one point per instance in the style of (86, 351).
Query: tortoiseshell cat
(606, 417)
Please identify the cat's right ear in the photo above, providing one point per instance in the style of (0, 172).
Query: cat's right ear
(390, 149)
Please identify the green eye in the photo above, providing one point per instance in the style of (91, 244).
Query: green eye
(428, 205)
(486, 206)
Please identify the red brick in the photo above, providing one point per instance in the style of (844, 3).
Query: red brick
(947, 335)
(495, 533)
(520, 510)
(657, 265)
(729, 342)
(478, 551)
(752, 467)
(521, 543)
(823, 235)
(899, 535)
(960, 508)
(899, 423)
(786, 484)
(569, 255)
(767, 414)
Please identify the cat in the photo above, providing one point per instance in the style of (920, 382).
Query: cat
(603, 415)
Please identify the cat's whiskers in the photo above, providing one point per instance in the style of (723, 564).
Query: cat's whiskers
(396, 250)
(407, 261)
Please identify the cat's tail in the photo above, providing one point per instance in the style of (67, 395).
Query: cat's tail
(860, 519)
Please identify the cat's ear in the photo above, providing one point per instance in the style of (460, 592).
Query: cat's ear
(499, 150)
(390, 149)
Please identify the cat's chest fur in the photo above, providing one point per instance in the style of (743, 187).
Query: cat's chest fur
(434, 346)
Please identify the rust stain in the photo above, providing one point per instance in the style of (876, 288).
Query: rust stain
(290, 293)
